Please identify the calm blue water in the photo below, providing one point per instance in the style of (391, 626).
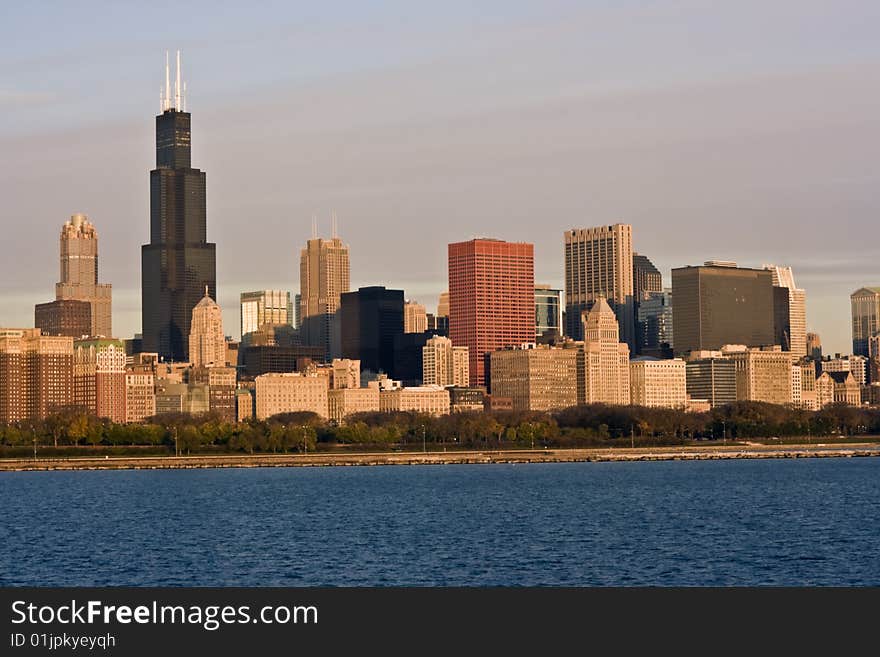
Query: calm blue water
(780, 522)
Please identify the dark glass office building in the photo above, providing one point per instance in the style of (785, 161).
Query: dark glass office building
(179, 262)
(371, 319)
(719, 304)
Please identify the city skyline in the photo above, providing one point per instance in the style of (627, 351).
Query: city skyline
(746, 184)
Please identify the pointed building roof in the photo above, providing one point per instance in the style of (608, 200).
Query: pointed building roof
(600, 307)
(206, 300)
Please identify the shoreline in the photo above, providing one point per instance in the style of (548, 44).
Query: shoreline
(572, 455)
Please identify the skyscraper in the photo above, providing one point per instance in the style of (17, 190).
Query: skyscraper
(720, 303)
(36, 374)
(78, 284)
(207, 344)
(178, 262)
(865, 317)
(548, 314)
(654, 324)
(415, 320)
(323, 277)
(646, 277)
(603, 367)
(599, 262)
(371, 318)
(491, 298)
(443, 364)
(265, 308)
(790, 312)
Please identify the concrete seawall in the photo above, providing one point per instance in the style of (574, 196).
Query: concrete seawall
(444, 458)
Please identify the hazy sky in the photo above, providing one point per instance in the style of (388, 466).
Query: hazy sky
(744, 130)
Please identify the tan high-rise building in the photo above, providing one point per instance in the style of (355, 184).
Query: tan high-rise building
(603, 370)
(599, 263)
(809, 398)
(536, 378)
(140, 393)
(415, 319)
(658, 383)
(443, 305)
(207, 344)
(858, 365)
(291, 392)
(762, 374)
(324, 275)
(430, 400)
(99, 377)
(36, 374)
(347, 401)
(790, 311)
(444, 364)
(79, 273)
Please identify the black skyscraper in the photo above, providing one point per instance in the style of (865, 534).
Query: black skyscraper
(178, 262)
(371, 319)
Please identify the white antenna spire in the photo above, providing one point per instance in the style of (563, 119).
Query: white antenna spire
(177, 84)
(184, 95)
(333, 224)
(314, 227)
(161, 100)
(167, 84)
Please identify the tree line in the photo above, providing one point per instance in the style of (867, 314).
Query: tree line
(579, 426)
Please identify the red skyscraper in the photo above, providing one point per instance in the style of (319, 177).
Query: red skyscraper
(491, 298)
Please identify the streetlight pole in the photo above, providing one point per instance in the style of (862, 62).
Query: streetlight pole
(424, 443)
(305, 443)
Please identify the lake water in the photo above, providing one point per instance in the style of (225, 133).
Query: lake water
(748, 522)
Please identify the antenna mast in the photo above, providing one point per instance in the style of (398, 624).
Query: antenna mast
(314, 227)
(167, 103)
(177, 85)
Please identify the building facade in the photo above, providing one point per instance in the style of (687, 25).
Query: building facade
(324, 275)
(865, 305)
(265, 308)
(207, 344)
(68, 317)
(371, 318)
(415, 319)
(36, 374)
(291, 392)
(790, 312)
(536, 378)
(654, 334)
(713, 379)
(599, 263)
(491, 298)
(429, 400)
(444, 364)
(344, 402)
(99, 377)
(763, 375)
(646, 277)
(548, 313)
(658, 383)
(719, 304)
(603, 367)
(140, 393)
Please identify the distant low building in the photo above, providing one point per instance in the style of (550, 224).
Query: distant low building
(343, 402)
(430, 400)
(536, 378)
(291, 392)
(463, 399)
(658, 383)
